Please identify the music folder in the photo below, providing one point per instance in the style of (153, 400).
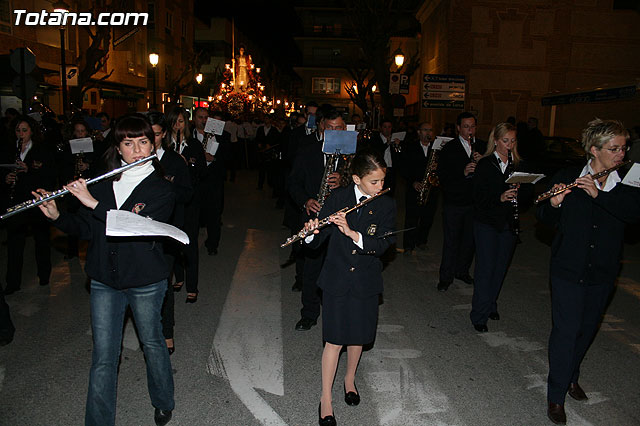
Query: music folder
(80, 146)
(521, 177)
(340, 141)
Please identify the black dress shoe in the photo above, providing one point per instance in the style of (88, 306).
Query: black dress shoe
(162, 417)
(556, 414)
(326, 421)
(191, 298)
(351, 398)
(576, 392)
(305, 324)
(481, 328)
(466, 278)
(443, 286)
(494, 316)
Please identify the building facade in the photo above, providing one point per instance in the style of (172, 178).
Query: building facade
(514, 54)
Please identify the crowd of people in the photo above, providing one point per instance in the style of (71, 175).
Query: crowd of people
(340, 261)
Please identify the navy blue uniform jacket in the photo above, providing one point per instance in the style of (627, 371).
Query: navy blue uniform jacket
(588, 245)
(347, 268)
(121, 262)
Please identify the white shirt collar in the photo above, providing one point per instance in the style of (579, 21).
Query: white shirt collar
(25, 151)
(612, 179)
(503, 166)
(466, 145)
(160, 152)
(359, 194)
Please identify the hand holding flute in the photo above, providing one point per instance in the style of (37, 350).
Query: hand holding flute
(77, 188)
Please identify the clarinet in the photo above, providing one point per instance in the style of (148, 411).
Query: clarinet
(515, 214)
(61, 192)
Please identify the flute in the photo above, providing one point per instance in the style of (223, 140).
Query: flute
(553, 193)
(61, 192)
(303, 233)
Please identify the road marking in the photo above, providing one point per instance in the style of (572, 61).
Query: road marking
(247, 347)
(519, 344)
(402, 391)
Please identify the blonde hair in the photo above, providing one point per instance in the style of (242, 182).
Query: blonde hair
(497, 133)
(598, 132)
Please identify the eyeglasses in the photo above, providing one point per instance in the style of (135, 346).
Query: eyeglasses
(618, 149)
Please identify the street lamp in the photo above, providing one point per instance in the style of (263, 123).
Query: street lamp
(153, 60)
(399, 58)
(63, 8)
(199, 81)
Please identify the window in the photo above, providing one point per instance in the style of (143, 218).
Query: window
(169, 25)
(5, 16)
(151, 10)
(94, 98)
(184, 29)
(626, 5)
(167, 73)
(325, 85)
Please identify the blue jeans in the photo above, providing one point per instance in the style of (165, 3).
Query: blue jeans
(108, 307)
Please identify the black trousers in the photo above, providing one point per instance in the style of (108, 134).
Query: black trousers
(186, 267)
(212, 205)
(419, 216)
(577, 311)
(494, 249)
(7, 329)
(457, 244)
(310, 292)
(17, 228)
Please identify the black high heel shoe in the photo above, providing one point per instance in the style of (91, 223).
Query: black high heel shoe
(191, 298)
(325, 421)
(178, 286)
(351, 398)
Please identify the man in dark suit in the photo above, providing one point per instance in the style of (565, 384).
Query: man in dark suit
(416, 156)
(218, 155)
(266, 137)
(303, 186)
(292, 218)
(390, 150)
(456, 164)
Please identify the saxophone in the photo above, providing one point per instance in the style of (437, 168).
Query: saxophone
(430, 178)
(330, 167)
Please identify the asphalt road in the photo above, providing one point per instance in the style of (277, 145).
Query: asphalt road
(239, 361)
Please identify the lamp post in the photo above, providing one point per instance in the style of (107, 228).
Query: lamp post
(398, 58)
(61, 7)
(153, 60)
(199, 81)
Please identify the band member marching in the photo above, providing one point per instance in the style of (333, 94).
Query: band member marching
(494, 224)
(130, 272)
(585, 255)
(351, 277)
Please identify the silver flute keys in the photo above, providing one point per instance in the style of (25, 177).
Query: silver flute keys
(61, 192)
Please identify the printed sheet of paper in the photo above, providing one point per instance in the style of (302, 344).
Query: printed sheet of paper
(398, 135)
(342, 141)
(633, 176)
(82, 145)
(212, 146)
(214, 126)
(121, 223)
(351, 127)
(440, 142)
(520, 177)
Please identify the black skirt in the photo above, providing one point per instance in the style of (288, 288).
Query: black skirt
(348, 320)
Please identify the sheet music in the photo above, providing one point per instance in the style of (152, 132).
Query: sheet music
(80, 146)
(521, 177)
(440, 142)
(398, 135)
(214, 126)
(121, 223)
(632, 177)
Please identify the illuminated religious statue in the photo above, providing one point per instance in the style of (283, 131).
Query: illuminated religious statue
(243, 63)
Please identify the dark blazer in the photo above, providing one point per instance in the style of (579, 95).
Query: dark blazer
(588, 245)
(218, 168)
(347, 268)
(414, 162)
(296, 137)
(41, 173)
(193, 153)
(116, 261)
(488, 186)
(457, 189)
(177, 172)
(269, 139)
(308, 168)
